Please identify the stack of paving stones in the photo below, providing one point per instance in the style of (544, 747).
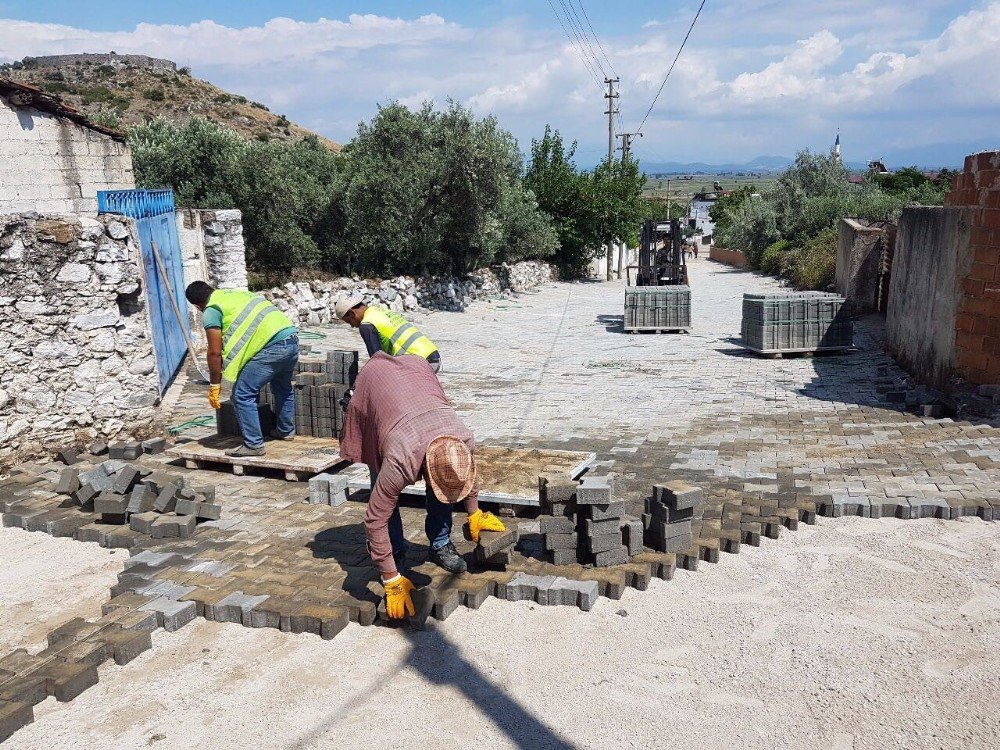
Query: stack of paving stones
(673, 516)
(328, 489)
(113, 503)
(799, 321)
(319, 384)
(495, 549)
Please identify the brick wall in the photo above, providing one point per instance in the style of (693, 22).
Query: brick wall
(977, 335)
(53, 166)
(729, 257)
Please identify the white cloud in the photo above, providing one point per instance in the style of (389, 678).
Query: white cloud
(788, 71)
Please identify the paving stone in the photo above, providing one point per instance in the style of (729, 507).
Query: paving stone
(125, 645)
(556, 525)
(614, 556)
(171, 615)
(610, 511)
(582, 594)
(141, 499)
(562, 556)
(561, 542)
(601, 528)
(235, 608)
(554, 491)
(69, 480)
(108, 503)
(166, 500)
(154, 445)
(14, 716)
(596, 490)
(125, 480)
(68, 456)
(678, 495)
(494, 542)
(143, 522)
(604, 542)
(66, 680)
(632, 534)
(98, 448)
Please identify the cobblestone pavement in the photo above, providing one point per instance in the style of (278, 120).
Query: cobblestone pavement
(772, 442)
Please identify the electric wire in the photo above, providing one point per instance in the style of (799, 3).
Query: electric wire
(596, 39)
(671, 69)
(582, 43)
(586, 62)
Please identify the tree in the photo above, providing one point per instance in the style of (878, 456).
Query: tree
(430, 191)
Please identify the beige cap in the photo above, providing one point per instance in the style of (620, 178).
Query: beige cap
(346, 303)
(451, 469)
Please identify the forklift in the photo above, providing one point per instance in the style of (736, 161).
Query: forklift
(660, 299)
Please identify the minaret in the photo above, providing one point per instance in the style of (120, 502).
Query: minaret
(836, 145)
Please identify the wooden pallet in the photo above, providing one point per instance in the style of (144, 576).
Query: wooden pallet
(644, 329)
(779, 353)
(300, 459)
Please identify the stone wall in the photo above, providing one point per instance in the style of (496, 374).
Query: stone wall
(313, 302)
(53, 166)
(155, 64)
(76, 357)
(225, 251)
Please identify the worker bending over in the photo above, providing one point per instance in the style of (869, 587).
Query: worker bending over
(250, 343)
(387, 331)
(400, 424)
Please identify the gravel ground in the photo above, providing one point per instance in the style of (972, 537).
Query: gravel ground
(45, 581)
(855, 633)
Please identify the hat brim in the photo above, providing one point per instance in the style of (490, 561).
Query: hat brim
(459, 493)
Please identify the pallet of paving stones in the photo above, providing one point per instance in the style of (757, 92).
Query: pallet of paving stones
(796, 323)
(299, 459)
(659, 309)
(319, 386)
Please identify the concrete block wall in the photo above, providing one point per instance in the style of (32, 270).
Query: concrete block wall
(53, 166)
(859, 263)
(943, 316)
(977, 340)
(76, 355)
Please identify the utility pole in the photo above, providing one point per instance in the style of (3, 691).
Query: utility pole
(611, 96)
(626, 147)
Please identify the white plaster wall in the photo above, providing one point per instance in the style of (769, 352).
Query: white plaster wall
(54, 166)
(192, 239)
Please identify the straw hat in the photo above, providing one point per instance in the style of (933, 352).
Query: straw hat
(346, 303)
(451, 469)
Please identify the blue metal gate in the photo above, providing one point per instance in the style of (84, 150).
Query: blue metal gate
(153, 212)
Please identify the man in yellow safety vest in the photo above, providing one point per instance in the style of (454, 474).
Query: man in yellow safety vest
(251, 343)
(387, 331)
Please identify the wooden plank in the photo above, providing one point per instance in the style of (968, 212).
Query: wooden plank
(299, 457)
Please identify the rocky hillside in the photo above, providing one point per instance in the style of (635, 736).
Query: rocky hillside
(120, 90)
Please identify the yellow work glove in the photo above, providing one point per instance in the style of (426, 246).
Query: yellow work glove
(397, 597)
(480, 521)
(214, 393)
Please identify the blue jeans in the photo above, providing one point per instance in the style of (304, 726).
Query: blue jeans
(274, 364)
(437, 524)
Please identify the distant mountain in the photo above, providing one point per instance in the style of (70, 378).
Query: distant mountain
(760, 164)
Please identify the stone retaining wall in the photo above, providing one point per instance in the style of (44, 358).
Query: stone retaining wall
(313, 302)
(76, 357)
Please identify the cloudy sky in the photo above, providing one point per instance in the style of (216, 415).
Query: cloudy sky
(913, 81)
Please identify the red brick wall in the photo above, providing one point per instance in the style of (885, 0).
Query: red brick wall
(729, 257)
(977, 335)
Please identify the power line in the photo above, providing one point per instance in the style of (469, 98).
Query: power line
(671, 69)
(586, 62)
(577, 29)
(596, 39)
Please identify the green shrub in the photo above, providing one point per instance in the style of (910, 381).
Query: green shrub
(814, 265)
(154, 95)
(222, 99)
(774, 258)
(96, 94)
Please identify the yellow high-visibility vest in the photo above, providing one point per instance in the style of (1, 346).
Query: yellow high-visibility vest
(397, 334)
(248, 322)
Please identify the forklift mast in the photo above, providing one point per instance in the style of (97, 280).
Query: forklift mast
(661, 254)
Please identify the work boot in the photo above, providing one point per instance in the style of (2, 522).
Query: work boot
(448, 558)
(278, 436)
(245, 451)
